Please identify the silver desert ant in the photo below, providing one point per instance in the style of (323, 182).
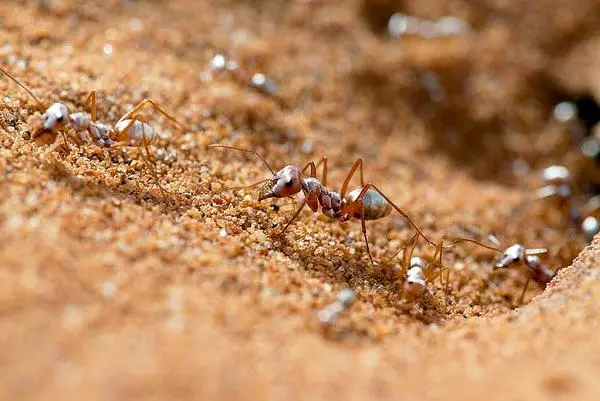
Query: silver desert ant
(331, 312)
(365, 203)
(519, 256)
(559, 186)
(129, 131)
(416, 272)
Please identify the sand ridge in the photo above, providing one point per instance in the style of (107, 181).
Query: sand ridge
(111, 291)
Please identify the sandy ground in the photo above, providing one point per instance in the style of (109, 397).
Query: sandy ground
(110, 290)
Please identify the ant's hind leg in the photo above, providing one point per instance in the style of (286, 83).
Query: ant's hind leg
(148, 158)
(314, 167)
(522, 297)
(350, 209)
(393, 205)
(91, 100)
(358, 164)
(293, 217)
(133, 112)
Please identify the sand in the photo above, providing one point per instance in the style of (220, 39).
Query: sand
(111, 289)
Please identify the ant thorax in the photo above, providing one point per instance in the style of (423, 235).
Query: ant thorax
(317, 194)
(80, 121)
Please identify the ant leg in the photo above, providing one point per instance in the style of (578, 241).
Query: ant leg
(535, 251)
(351, 209)
(150, 102)
(144, 139)
(246, 151)
(91, 100)
(363, 226)
(64, 137)
(151, 162)
(438, 257)
(398, 209)
(440, 251)
(458, 240)
(324, 173)
(407, 256)
(148, 158)
(522, 297)
(358, 163)
(314, 168)
(412, 242)
(437, 262)
(323, 161)
(293, 217)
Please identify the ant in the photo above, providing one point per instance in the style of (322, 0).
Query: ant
(365, 203)
(257, 81)
(417, 272)
(129, 131)
(558, 188)
(519, 256)
(329, 314)
(559, 185)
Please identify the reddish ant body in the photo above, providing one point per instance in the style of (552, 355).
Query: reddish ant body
(365, 203)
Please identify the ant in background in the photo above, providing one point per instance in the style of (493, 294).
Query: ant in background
(366, 202)
(257, 81)
(129, 131)
(416, 272)
(559, 189)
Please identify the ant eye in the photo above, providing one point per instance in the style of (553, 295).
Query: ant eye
(289, 183)
(60, 118)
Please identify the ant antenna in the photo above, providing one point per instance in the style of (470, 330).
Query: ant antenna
(247, 151)
(40, 104)
(453, 241)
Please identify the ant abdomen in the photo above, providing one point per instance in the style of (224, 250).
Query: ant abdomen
(133, 132)
(374, 205)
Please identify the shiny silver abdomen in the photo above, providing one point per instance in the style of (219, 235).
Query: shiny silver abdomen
(374, 205)
(133, 132)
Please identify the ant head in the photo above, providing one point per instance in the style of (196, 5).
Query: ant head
(286, 182)
(55, 118)
(512, 255)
